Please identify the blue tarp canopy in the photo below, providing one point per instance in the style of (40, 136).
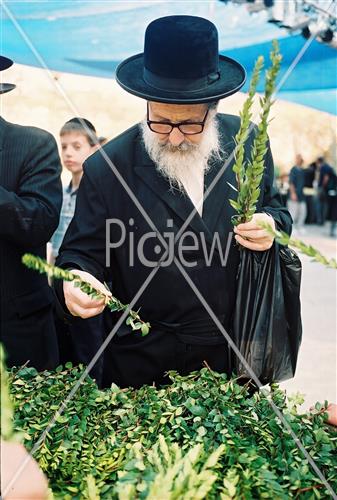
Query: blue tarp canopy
(92, 37)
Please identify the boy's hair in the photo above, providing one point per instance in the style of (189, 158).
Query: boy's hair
(81, 125)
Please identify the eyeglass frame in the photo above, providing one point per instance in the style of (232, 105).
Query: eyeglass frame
(175, 125)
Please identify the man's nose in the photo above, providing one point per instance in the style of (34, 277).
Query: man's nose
(176, 137)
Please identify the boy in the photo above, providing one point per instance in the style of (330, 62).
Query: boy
(77, 144)
(80, 340)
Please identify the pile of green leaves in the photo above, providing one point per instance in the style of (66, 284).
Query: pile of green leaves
(203, 436)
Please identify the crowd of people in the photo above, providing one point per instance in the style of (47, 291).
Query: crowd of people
(310, 192)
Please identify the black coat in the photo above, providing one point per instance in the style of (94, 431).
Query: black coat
(30, 203)
(168, 297)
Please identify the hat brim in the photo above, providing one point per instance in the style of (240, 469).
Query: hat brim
(6, 87)
(5, 63)
(129, 75)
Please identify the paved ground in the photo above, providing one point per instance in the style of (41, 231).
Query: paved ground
(316, 374)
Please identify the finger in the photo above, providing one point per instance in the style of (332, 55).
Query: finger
(84, 313)
(259, 234)
(76, 296)
(86, 301)
(267, 239)
(75, 293)
(259, 247)
(256, 220)
(98, 286)
(248, 226)
(94, 282)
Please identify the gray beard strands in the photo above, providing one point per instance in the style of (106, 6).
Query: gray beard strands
(174, 162)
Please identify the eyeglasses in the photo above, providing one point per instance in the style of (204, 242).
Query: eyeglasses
(186, 128)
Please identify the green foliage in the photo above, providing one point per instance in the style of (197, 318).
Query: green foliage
(284, 239)
(6, 430)
(166, 472)
(203, 436)
(40, 265)
(249, 174)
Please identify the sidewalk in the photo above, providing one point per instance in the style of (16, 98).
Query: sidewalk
(316, 374)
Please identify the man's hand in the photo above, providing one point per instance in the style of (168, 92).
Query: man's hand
(78, 302)
(252, 236)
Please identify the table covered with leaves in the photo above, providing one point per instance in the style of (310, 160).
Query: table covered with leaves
(203, 436)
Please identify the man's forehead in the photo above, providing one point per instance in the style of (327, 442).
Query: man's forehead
(178, 111)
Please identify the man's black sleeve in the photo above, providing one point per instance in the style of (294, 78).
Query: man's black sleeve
(31, 214)
(271, 199)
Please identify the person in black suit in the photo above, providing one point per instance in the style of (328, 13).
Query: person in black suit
(164, 166)
(30, 203)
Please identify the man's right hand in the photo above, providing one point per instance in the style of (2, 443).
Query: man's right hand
(293, 196)
(78, 302)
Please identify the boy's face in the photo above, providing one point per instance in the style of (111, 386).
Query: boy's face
(75, 149)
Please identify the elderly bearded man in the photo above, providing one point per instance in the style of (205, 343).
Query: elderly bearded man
(167, 163)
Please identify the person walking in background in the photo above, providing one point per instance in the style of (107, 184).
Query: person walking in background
(309, 192)
(78, 339)
(30, 203)
(325, 180)
(296, 202)
(332, 204)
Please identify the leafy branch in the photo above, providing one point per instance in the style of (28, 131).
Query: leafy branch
(40, 265)
(284, 239)
(249, 176)
(246, 115)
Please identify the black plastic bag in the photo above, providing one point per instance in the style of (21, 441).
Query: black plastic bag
(267, 326)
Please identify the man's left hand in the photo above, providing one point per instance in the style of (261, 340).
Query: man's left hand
(252, 236)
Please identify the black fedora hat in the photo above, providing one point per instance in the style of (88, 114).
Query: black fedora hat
(181, 64)
(5, 63)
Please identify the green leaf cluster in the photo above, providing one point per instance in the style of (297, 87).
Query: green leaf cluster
(203, 436)
(41, 265)
(284, 239)
(249, 173)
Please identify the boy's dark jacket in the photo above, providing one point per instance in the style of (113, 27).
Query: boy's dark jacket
(30, 203)
(168, 297)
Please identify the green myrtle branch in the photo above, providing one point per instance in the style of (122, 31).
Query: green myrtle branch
(40, 265)
(245, 115)
(284, 239)
(249, 177)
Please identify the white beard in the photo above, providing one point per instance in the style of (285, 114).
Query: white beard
(181, 164)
